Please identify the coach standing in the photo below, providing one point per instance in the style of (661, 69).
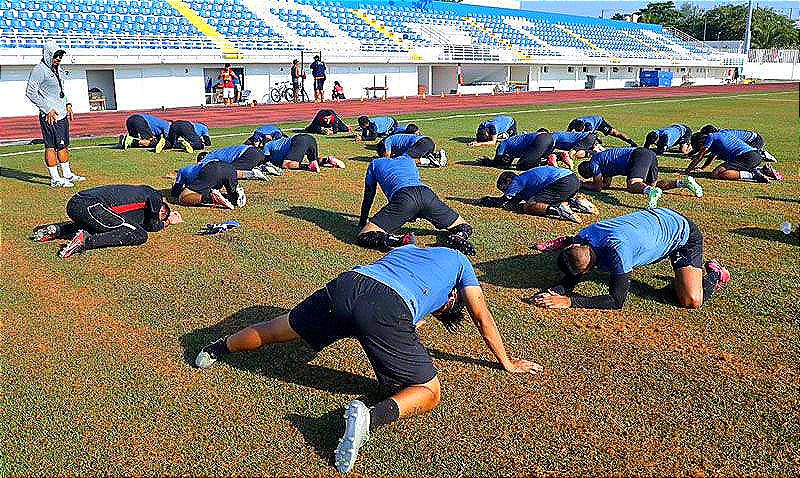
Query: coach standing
(318, 69)
(46, 90)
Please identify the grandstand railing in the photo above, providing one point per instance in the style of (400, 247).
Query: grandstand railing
(690, 39)
(774, 56)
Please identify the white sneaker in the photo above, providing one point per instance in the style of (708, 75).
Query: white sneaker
(75, 178)
(438, 160)
(219, 200)
(242, 198)
(270, 168)
(356, 433)
(60, 183)
(259, 174)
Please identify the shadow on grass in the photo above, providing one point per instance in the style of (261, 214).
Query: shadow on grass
(462, 139)
(609, 199)
(33, 178)
(526, 271)
(364, 159)
(781, 199)
(476, 163)
(766, 234)
(682, 171)
(438, 354)
(288, 362)
(468, 201)
(665, 295)
(343, 226)
(321, 433)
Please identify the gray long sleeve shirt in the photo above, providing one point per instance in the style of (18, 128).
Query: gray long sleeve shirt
(43, 87)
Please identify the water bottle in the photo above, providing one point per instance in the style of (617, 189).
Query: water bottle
(786, 228)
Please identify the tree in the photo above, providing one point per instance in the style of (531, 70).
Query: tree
(662, 13)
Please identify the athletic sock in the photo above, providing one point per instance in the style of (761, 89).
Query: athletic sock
(746, 175)
(710, 282)
(681, 183)
(553, 211)
(53, 170)
(247, 175)
(383, 413)
(65, 170)
(424, 161)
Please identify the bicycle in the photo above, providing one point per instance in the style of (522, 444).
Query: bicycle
(283, 91)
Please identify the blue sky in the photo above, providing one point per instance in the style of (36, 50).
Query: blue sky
(593, 8)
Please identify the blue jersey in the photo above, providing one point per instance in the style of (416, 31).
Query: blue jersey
(383, 124)
(423, 277)
(187, 174)
(611, 162)
(726, 146)
(278, 149)
(401, 129)
(228, 154)
(672, 134)
(269, 130)
(742, 134)
(398, 144)
(565, 140)
(636, 239)
(594, 122)
(318, 69)
(534, 180)
(498, 125)
(200, 129)
(392, 174)
(159, 127)
(516, 146)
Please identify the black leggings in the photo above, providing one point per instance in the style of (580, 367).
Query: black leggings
(303, 145)
(542, 146)
(105, 227)
(185, 130)
(251, 158)
(138, 128)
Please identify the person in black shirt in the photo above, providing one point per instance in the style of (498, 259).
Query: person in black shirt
(297, 79)
(327, 122)
(318, 70)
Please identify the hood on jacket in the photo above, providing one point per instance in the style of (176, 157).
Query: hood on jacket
(48, 51)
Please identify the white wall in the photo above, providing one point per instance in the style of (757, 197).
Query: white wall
(156, 86)
(772, 71)
(13, 80)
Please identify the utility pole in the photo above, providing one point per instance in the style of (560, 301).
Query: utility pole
(748, 27)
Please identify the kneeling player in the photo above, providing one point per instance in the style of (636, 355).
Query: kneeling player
(542, 191)
(409, 199)
(619, 245)
(639, 165)
(248, 161)
(381, 305)
(188, 136)
(592, 124)
(288, 153)
(740, 161)
(496, 129)
(327, 122)
(421, 148)
(199, 184)
(376, 127)
(109, 216)
(263, 135)
(531, 149)
(575, 145)
(752, 139)
(144, 131)
(678, 136)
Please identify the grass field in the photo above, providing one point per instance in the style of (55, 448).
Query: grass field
(96, 350)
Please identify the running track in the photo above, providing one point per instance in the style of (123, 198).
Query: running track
(106, 123)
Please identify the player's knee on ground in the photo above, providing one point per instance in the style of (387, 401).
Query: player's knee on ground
(690, 300)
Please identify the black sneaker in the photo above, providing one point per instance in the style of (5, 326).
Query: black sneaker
(759, 177)
(211, 353)
(395, 240)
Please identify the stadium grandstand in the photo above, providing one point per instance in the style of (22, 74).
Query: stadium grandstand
(172, 49)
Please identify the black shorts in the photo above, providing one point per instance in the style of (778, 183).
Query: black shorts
(354, 305)
(691, 253)
(138, 128)
(744, 162)
(214, 175)
(56, 135)
(414, 202)
(757, 142)
(604, 128)
(643, 165)
(422, 148)
(586, 144)
(251, 158)
(319, 84)
(560, 190)
(303, 145)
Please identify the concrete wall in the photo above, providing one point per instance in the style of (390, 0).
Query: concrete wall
(13, 80)
(156, 86)
(772, 71)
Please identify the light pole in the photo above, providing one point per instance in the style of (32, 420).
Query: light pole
(748, 26)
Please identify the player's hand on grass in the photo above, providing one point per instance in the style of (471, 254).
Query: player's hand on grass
(550, 300)
(522, 366)
(473, 143)
(51, 117)
(174, 218)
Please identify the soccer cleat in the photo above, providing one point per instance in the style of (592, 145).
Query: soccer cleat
(127, 141)
(74, 246)
(60, 183)
(759, 176)
(356, 434)
(241, 197)
(653, 196)
(771, 172)
(185, 145)
(313, 166)
(219, 200)
(485, 161)
(209, 354)
(553, 244)
(121, 141)
(768, 156)
(75, 178)
(692, 185)
(333, 162)
(259, 174)
(395, 240)
(439, 159)
(552, 160)
(162, 143)
(580, 204)
(564, 212)
(270, 168)
(459, 242)
(724, 274)
(45, 233)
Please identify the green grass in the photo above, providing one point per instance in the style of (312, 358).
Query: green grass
(95, 349)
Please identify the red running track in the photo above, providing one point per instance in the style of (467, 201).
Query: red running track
(104, 123)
